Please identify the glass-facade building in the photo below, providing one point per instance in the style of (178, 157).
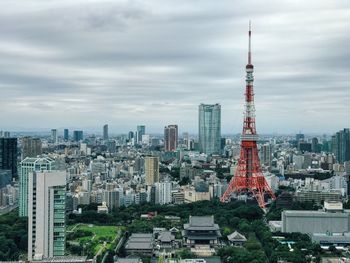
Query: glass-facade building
(209, 128)
(8, 155)
(66, 134)
(141, 130)
(341, 145)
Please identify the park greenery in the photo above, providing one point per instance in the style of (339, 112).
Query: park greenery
(248, 219)
(91, 240)
(13, 236)
(90, 232)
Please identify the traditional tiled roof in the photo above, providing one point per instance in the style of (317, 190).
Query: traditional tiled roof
(236, 236)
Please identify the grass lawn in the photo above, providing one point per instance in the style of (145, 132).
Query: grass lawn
(106, 232)
(99, 235)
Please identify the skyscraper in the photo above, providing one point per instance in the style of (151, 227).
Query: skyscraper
(131, 135)
(141, 130)
(8, 155)
(78, 136)
(314, 145)
(151, 170)
(54, 136)
(105, 132)
(170, 137)
(27, 166)
(341, 145)
(163, 193)
(66, 134)
(265, 154)
(299, 137)
(112, 199)
(46, 214)
(209, 128)
(31, 147)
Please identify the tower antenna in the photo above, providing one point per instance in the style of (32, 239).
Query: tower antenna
(250, 47)
(248, 178)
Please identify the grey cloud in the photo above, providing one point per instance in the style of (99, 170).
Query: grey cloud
(65, 63)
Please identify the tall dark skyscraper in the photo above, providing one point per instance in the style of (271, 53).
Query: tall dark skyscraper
(170, 137)
(209, 128)
(141, 130)
(66, 134)
(131, 135)
(314, 145)
(78, 136)
(341, 145)
(105, 132)
(8, 155)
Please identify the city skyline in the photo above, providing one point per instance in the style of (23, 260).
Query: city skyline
(93, 63)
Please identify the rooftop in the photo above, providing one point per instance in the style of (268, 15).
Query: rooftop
(201, 221)
(128, 260)
(140, 241)
(236, 236)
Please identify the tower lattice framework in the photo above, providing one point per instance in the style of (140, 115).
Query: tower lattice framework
(248, 177)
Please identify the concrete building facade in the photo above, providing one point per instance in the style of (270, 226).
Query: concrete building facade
(46, 214)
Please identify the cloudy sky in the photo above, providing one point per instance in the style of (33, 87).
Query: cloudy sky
(84, 63)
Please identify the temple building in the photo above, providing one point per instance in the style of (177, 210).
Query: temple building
(201, 234)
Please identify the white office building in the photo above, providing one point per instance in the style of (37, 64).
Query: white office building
(163, 193)
(46, 214)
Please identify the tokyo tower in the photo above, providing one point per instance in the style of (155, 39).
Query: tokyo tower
(248, 178)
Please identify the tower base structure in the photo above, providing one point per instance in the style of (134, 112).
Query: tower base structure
(248, 178)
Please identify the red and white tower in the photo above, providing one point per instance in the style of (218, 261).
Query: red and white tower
(248, 177)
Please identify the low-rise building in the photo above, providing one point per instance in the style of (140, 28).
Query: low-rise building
(318, 196)
(236, 239)
(311, 222)
(140, 243)
(102, 208)
(128, 260)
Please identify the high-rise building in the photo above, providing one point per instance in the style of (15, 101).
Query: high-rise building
(31, 147)
(5, 178)
(27, 166)
(163, 193)
(66, 134)
(7, 134)
(131, 135)
(46, 214)
(8, 155)
(266, 154)
(78, 136)
(112, 199)
(299, 137)
(54, 136)
(141, 130)
(105, 132)
(209, 128)
(151, 170)
(304, 146)
(314, 145)
(170, 137)
(341, 145)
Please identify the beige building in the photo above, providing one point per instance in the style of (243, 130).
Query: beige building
(31, 147)
(152, 170)
(191, 195)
